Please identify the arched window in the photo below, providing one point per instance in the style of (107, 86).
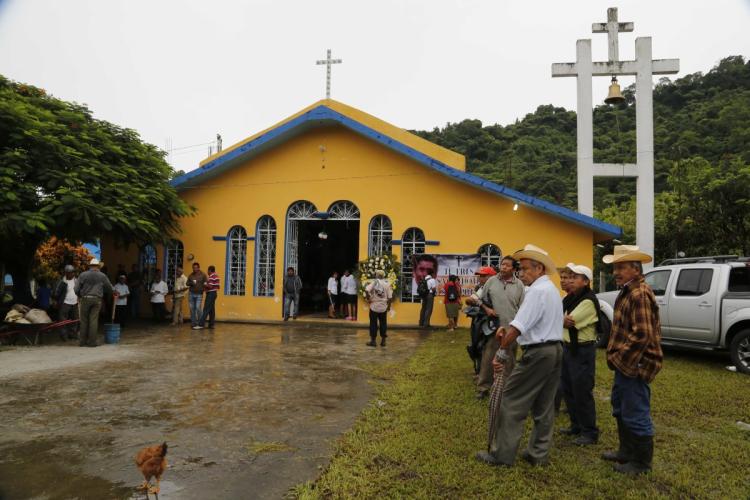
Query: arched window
(380, 235)
(236, 261)
(299, 210)
(490, 254)
(343, 210)
(173, 252)
(412, 243)
(265, 257)
(147, 264)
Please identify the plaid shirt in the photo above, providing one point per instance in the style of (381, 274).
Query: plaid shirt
(635, 342)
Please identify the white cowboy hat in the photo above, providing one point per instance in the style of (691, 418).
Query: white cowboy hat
(94, 262)
(580, 269)
(627, 253)
(535, 253)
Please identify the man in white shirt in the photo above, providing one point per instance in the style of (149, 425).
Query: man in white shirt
(428, 301)
(122, 292)
(333, 294)
(531, 386)
(178, 294)
(159, 291)
(67, 301)
(349, 295)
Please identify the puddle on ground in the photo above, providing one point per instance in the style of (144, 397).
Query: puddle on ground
(243, 408)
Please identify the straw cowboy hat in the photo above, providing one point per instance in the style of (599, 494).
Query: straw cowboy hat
(535, 253)
(627, 253)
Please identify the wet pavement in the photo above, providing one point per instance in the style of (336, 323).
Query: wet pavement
(248, 411)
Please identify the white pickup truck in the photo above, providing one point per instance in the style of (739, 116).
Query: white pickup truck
(704, 303)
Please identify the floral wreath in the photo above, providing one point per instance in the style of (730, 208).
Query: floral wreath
(365, 273)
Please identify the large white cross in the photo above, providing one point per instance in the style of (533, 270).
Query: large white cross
(584, 69)
(328, 61)
(612, 28)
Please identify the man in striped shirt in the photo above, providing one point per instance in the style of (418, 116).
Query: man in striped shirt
(209, 306)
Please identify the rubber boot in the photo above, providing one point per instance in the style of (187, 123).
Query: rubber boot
(624, 453)
(643, 454)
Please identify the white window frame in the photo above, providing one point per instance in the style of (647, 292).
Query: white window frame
(490, 255)
(173, 254)
(380, 235)
(412, 243)
(236, 261)
(264, 284)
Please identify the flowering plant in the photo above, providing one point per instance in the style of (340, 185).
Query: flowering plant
(387, 263)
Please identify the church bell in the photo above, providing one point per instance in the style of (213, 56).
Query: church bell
(614, 96)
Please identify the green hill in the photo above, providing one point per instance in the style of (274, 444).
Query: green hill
(702, 158)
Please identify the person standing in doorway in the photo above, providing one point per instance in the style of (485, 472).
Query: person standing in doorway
(634, 354)
(427, 290)
(581, 308)
(209, 306)
(90, 288)
(349, 294)
(532, 384)
(292, 289)
(122, 293)
(379, 295)
(67, 301)
(197, 282)
(452, 300)
(159, 291)
(179, 291)
(135, 284)
(333, 294)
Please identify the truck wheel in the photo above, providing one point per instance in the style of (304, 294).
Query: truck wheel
(739, 350)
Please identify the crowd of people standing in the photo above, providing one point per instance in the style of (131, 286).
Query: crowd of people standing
(558, 348)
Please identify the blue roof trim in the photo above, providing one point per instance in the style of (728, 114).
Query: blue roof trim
(325, 113)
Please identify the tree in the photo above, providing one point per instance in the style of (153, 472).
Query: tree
(65, 174)
(54, 254)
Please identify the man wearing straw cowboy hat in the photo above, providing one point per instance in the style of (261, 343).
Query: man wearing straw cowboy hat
(90, 288)
(532, 384)
(634, 354)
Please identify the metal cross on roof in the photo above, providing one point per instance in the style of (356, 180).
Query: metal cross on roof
(328, 61)
(612, 28)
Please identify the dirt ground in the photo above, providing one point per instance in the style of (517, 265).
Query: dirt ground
(248, 411)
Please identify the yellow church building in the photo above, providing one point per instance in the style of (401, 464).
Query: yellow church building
(332, 185)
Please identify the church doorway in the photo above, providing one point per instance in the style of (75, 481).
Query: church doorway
(319, 243)
(324, 247)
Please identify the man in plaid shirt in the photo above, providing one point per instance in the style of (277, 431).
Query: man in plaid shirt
(634, 354)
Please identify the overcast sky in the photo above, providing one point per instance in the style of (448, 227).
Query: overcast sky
(183, 70)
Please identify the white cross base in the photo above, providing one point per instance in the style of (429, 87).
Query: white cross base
(643, 67)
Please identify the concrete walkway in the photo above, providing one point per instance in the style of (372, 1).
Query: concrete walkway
(248, 411)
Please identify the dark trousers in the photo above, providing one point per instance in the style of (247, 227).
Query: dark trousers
(135, 301)
(381, 318)
(121, 315)
(631, 403)
(577, 383)
(209, 310)
(158, 310)
(425, 313)
(90, 307)
(69, 311)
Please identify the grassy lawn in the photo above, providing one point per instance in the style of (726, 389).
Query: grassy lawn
(418, 437)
